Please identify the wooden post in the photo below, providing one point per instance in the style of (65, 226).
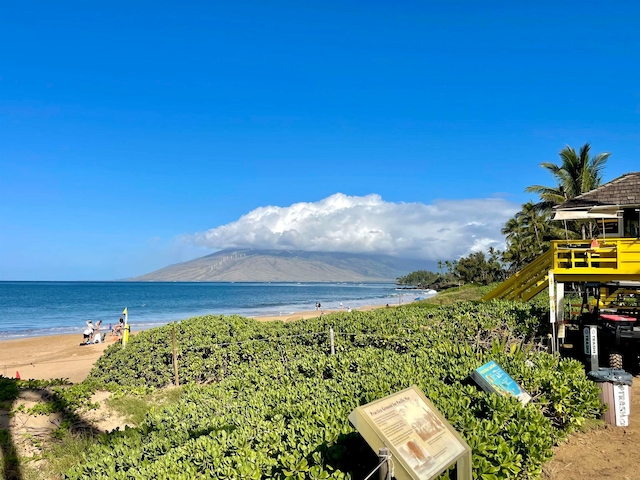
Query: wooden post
(332, 341)
(384, 473)
(175, 354)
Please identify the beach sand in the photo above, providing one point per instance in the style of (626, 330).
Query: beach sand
(55, 356)
(61, 356)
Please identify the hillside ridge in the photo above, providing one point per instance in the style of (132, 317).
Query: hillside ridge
(248, 265)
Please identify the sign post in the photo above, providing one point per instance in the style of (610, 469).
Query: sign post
(590, 336)
(422, 443)
(125, 334)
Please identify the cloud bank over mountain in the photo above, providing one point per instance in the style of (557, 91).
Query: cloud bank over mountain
(443, 230)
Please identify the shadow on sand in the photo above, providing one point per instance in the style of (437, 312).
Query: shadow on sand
(11, 392)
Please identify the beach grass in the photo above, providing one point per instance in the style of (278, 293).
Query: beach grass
(64, 452)
(134, 408)
(464, 293)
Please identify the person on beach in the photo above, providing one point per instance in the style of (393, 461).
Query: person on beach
(118, 328)
(97, 336)
(88, 332)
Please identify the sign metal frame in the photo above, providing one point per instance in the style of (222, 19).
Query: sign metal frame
(422, 442)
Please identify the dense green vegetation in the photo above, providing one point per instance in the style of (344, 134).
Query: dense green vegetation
(267, 400)
(477, 268)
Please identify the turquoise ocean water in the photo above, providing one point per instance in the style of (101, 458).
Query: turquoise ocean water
(30, 309)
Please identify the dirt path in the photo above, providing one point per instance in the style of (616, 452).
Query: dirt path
(609, 454)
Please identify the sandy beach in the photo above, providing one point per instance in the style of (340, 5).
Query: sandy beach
(61, 356)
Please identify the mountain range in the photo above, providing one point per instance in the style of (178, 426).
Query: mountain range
(248, 265)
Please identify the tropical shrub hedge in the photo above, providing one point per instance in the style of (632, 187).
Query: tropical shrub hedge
(267, 400)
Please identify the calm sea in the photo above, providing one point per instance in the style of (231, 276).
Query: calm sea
(30, 309)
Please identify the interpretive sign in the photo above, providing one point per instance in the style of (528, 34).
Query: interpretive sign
(494, 379)
(422, 443)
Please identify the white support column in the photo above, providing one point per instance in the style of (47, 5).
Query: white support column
(552, 310)
(560, 310)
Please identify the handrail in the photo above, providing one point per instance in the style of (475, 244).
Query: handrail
(574, 261)
(522, 280)
(613, 256)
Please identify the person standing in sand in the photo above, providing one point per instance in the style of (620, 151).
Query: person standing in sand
(88, 332)
(97, 338)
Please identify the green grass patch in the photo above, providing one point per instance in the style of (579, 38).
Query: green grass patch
(464, 293)
(134, 408)
(66, 451)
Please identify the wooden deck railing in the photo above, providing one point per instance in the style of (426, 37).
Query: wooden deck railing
(615, 259)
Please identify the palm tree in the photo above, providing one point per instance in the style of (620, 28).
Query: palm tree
(512, 229)
(578, 173)
(531, 219)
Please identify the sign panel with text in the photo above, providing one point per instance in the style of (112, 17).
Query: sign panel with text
(420, 439)
(493, 379)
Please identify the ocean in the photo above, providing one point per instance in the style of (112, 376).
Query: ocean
(29, 309)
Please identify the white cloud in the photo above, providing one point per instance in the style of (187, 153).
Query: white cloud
(443, 230)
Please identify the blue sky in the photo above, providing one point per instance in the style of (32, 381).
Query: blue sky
(134, 133)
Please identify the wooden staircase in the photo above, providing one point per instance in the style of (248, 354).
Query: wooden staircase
(525, 284)
(615, 259)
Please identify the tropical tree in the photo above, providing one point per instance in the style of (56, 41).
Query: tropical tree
(576, 174)
(477, 268)
(528, 234)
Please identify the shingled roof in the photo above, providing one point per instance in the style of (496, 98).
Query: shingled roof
(623, 191)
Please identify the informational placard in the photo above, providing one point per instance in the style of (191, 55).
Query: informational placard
(621, 405)
(590, 334)
(493, 379)
(422, 443)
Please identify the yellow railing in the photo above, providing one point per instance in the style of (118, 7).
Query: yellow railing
(526, 283)
(615, 259)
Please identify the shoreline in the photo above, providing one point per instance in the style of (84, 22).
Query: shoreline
(61, 356)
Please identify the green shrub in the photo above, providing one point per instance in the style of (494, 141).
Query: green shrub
(266, 400)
